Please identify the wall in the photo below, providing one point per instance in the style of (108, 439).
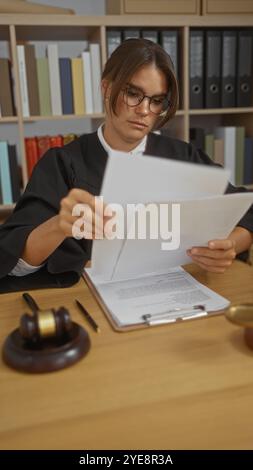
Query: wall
(81, 7)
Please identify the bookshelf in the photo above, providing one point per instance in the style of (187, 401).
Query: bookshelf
(22, 29)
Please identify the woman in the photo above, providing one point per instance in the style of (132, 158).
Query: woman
(140, 94)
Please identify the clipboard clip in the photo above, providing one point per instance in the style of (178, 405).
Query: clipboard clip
(175, 314)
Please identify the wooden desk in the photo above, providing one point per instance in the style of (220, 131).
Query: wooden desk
(183, 386)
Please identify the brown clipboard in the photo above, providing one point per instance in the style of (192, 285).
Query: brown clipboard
(103, 306)
(134, 326)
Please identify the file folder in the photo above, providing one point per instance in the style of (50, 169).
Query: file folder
(114, 40)
(169, 42)
(196, 69)
(244, 71)
(152, 35)
(228, 74)
(213, 69)
(131, 34)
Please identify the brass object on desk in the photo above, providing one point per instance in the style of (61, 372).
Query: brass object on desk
(242, 315)
(45, 341)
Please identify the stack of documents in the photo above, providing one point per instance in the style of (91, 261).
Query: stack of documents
(135, 279)
(155, 299)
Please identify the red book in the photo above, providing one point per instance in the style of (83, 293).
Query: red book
(31, 153)
(43, 144)
(56, 141)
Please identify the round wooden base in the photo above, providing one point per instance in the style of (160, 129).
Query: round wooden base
(49, 355)
(248, 336)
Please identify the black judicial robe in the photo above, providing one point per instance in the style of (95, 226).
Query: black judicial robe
(80, 164)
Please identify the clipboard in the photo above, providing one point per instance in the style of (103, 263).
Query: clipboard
(107, 312)
(180, 315)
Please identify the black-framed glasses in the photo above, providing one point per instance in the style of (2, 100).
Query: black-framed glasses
(157, 104)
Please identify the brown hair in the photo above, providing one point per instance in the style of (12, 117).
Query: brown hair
(127, 59)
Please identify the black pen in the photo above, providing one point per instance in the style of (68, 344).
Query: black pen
(31, 302)
(87, 315)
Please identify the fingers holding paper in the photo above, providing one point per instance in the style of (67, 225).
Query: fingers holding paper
(82, 215)
(216, 257)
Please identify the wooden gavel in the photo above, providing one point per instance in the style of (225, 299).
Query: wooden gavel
(43, 324)
(45, 341)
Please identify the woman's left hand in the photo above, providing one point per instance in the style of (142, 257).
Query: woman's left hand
(215, 258)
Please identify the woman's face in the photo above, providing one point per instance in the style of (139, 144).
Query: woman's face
(126, 129)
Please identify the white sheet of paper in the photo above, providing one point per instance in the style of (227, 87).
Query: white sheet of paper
(201, 220)
(130, 299)
(134, 179)
(144, 179)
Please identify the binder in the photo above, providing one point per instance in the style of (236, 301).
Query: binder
(113, 41)
(169, 42)
(228, 73)
(244, 70)
(196, 69)
(131, 33)
(152, 35)
(213, 69)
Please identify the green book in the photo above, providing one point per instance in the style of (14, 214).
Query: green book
(209, 145)
(44, 86)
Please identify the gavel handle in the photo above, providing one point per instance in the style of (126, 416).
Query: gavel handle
(31, 302)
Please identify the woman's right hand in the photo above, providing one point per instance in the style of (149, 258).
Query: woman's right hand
(76, 217)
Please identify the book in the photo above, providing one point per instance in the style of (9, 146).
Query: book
(31, 152)
(66, 85)
(78, 86)
(87, 82)
(14, 173)
(32, 79)
(23, 80)
(96, 78)
(6, 94)
(5, 176)
(54, 79)
(44, 86)
(228, 134)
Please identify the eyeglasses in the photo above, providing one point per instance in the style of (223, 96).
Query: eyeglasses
(157, 104)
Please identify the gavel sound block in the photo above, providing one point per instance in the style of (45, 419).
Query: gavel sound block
(45, 341)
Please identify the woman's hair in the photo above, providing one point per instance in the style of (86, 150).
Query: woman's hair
(127, 59)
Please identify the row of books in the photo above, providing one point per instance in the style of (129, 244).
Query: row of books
(229, 147)
(56, 85)
(36, 146)
(221, 68)
(10, 175)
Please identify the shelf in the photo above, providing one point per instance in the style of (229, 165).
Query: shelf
(22, 28)
(64, 117)
(8, 119)
(6, 207)
(128, 20)
(193, 112)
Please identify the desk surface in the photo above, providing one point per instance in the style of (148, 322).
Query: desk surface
(179, 386)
